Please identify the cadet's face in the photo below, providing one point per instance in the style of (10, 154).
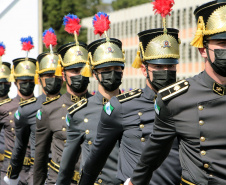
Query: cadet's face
(156, 67)
(71, 72)
(108, 69)
(21, 81)
(215, 44)
(45, 76)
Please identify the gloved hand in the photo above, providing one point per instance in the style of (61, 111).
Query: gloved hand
(127, 181)
(11, 181)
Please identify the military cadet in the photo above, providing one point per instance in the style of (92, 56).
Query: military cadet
(129, 117)
(7, 109)
(193, 110)
(24, 117)
(51, 125)
(106, 60)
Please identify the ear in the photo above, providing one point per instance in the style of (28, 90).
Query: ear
(94, 75)
(63, 75)
(143, 70)
(203, 52)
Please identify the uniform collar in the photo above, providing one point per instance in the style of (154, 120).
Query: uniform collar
(101, 98)
(149, 93)
(75, 98)
(217, 88)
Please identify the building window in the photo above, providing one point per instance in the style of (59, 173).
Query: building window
(145, 23)
(190, 16)
(184, 18)
(178, 18)
(141, 24)
(135, 30)
(172, 19)
(131, 27)
(122, 29)
(150, 22)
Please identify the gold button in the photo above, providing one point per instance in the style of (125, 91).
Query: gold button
(86, 120)
(200, 107)
(89, 142)
(87, 131)
(141, 125)
(64, 129)
(206, 165)
(140, 113)
(202, 139)
(63, 117)
(63, 105)
(100, 173)
(142, 139)
(12, 129)
(10, 113)
(11, 121)
(100, 181)
(65, 141)
(201, 122)
(203, 152)
(211, 175)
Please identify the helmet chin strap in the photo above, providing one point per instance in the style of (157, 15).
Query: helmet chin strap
(148, 77)
(208, 54)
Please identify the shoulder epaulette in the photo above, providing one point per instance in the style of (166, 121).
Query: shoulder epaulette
(77, 106)
(5, 101)
(174, 90)
(25, 102)
(129, 95)
(49, 100)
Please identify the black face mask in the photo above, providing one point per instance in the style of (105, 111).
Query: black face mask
(26, 88)
(111, 80)
(162, 79)
(53, 85)
(79, 83)
(4, 89)
(219, 65)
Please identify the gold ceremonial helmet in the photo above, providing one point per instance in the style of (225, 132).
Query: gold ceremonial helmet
(73, 55)
(5, 72)
(158, 46)
(47, 62)
(24, 68)
(104, 53)
(211, 22)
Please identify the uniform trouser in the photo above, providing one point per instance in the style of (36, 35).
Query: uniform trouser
(29, 178)
(23, 174)
(52, 177)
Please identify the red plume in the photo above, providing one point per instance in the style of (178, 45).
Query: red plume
(163, 7)
(101, 23)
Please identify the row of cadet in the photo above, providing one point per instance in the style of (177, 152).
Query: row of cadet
(77, 138)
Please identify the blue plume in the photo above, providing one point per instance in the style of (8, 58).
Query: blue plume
(26, 39)
(99, 14)
(50, 30)
(68, 16)
(2, 45)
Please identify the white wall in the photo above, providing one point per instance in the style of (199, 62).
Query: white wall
(19, 18)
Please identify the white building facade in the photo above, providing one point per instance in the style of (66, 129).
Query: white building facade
(20, 18)
(126, 23)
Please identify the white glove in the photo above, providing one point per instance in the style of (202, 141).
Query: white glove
(127, 181)
(11, 181)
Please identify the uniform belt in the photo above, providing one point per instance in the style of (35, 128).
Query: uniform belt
(27, 160)
(1, 157)
(7, 154)
(185, 182)
(100, 184)
(32, 161)
(55, 167)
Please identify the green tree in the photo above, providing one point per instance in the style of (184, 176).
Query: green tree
(55, 10)
(119, 4)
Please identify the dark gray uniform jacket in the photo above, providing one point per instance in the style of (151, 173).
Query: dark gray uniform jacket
(25, 124)
(132, 123)
(51, 128)
(198, 119)
(82, 131)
